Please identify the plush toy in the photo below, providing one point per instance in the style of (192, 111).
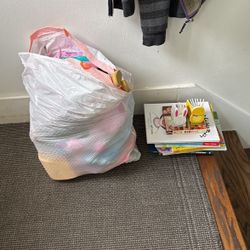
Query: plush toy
(196, 111)
(178, 114)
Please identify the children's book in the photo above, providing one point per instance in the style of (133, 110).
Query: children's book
(222, 143)
(177, 150)
(169, 149)
(174, 120)
(190, 144)
(153, 149)
(160, 129)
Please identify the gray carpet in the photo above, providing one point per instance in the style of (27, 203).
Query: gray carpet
(156, 203)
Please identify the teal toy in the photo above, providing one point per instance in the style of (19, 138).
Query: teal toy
(79, 58)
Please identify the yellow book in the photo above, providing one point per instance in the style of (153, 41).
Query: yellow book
(178, 150)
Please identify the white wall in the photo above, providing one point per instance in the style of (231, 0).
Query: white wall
(213, 51)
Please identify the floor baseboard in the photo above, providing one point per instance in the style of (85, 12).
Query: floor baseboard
(14, 109)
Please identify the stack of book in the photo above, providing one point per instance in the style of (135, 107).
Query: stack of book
(169, 130)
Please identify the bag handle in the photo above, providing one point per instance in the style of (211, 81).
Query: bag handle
(79, 44)
(43, 31)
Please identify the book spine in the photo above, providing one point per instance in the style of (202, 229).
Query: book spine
(212, 144)
(201, 153)
(195, 144)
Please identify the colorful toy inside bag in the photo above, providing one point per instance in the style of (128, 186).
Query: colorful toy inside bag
(80, 121)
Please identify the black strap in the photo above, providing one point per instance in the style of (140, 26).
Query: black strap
(111, 7)
(184, 25)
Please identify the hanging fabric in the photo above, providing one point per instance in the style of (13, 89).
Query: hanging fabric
(154, 15)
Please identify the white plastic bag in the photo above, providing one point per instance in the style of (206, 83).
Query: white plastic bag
(79, 123)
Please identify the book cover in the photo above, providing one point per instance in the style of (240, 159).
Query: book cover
(169, 119)
(167, 149)
(177, 150)
(152, 148)
(222, 143)
(156, 129)
(190, 144)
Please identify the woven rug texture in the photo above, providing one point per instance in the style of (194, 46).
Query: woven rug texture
(155, 203)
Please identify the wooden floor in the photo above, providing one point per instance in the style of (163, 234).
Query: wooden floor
(248, 153)
(234, 166)
(227, 223)
(227, 179)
